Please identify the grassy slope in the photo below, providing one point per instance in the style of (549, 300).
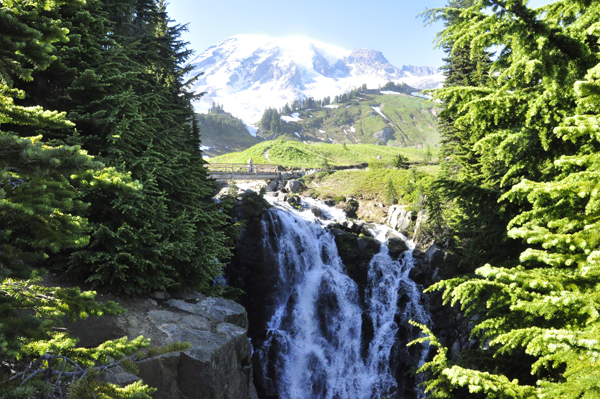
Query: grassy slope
(371, 184)
(413, 121)
(294, 154)
(368, 184)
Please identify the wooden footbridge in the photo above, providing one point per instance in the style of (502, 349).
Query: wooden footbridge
(243, 171)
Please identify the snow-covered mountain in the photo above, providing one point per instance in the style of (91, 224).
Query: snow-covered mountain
(249, 73)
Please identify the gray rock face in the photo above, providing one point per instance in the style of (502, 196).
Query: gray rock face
(292, 186)
(317, 212)
(384, 135)
(215, 309)
(399, 218)
(350, 206)
(435, 255)
(217, 366)
(160, 295)
(272, 186)
(396, 246)
(293, 200)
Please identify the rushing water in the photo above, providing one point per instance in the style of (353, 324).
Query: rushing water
(316, 325)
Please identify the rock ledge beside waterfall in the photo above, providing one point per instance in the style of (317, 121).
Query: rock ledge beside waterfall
(217, 366)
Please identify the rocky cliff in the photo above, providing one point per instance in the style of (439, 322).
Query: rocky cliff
(217, 366)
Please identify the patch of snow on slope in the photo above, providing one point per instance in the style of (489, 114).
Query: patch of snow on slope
(378, 110)
(296, 133)
(252, 130)
(322, 131)
(352, 129)
(394, 93)
(205, 148)
(294, 118)
(331, 106)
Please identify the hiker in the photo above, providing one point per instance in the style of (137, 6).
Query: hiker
(250, 164)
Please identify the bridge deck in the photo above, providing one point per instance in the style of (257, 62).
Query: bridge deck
(243, 171)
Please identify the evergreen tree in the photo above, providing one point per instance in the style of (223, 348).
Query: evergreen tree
(122, 83)
(548, 306)
(536, 120)
(37, 206)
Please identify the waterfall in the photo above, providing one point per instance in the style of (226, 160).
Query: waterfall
(314, 341)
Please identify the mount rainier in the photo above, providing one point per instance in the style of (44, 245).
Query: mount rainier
(249, 73)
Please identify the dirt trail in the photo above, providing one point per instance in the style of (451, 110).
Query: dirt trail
(266, 155)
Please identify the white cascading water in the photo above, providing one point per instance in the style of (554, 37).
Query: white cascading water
(316, 323)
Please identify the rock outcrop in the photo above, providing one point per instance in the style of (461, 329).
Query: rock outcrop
(384, 135)
(356, 251)
(292, 186)
(399, 218)
(350, 206)
(218, 364)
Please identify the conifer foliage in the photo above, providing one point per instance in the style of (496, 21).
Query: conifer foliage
(120, 79)
(535, 138)
(106, 79)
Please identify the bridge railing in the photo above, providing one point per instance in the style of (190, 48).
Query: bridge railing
(242, 167)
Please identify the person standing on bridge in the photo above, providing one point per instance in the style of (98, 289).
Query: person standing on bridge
(250, 165)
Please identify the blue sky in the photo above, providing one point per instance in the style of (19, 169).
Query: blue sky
(390, 26)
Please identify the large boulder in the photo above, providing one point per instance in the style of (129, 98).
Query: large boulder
(292, 186)
(282, 197)
(356, 253)
(272, 185)
(217, 365)
(435, 255)
(294, 200)
(396, 247)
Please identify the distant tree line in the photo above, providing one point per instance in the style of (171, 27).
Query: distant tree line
(270, 120)
(216, 108)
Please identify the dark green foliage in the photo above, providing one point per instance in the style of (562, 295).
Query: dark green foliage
(126, 94)
(401, 162)
(272, 124)
(253, 205)
(428, 157)
(38, 211)
(216, 109)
